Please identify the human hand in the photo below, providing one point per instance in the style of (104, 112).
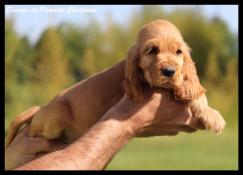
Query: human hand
(158, 114)
(24, 149)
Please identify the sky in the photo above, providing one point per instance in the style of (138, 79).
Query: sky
(31, 20)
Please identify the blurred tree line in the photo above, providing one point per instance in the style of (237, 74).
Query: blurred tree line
(69, 53)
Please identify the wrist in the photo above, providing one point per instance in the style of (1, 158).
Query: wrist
(108, 135)
(125, 122)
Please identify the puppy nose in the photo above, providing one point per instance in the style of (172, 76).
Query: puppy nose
(168, 71)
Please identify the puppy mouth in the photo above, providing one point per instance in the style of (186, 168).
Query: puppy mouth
(155, 79)
(164, 84)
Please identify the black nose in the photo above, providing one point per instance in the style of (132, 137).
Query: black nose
(168, 72)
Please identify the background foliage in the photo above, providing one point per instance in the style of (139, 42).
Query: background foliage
(68, 53)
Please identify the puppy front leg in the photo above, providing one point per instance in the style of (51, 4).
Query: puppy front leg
(210, 118)
(188, 90)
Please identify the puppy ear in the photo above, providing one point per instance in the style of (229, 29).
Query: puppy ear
(133, 83)
(190, 88)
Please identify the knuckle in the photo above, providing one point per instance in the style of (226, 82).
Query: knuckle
(45, 142)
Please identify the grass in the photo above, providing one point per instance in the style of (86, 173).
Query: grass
(202, 150)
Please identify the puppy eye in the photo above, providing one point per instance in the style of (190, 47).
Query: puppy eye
(153, 50)
(178, 52)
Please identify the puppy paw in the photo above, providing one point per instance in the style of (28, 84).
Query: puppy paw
(181, 93)
(188, 91)
(214, 122)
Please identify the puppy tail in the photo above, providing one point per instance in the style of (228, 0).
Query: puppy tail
(19, 121)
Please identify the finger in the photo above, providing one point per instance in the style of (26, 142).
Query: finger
(172, 133)
(187, 129)
(184, 117)
(22, 135)
(26, 130)
(195, 122)
(40, 144)
(181, 128)
(39, 154)
(158, 133)
(55, 145)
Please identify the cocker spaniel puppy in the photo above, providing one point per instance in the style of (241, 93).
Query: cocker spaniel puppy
(161, 58)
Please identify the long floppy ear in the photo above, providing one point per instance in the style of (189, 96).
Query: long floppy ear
(190, 88)
(133, 83)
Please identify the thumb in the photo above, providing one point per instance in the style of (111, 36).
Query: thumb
(195, 122)
(40, 144)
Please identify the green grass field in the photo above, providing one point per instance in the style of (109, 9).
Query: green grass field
(202, 150)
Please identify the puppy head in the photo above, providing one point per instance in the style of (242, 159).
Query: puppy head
(160, 57)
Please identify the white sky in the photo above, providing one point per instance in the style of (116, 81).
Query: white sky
(32, 23)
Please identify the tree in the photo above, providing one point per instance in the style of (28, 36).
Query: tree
(23, 58)
(231, 77)
(212, 71)
(225, 41)
(12, 40)
(74, 39)
(11, 44)
(51, 65)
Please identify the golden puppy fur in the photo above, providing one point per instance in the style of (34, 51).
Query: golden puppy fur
(74, 110)
(159, 48)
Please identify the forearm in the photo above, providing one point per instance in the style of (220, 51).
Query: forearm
(92, 151)
(100, 145)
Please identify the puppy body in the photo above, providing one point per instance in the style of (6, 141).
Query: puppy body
(74, 110)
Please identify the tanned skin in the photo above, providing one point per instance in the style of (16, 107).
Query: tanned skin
(157, 114)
